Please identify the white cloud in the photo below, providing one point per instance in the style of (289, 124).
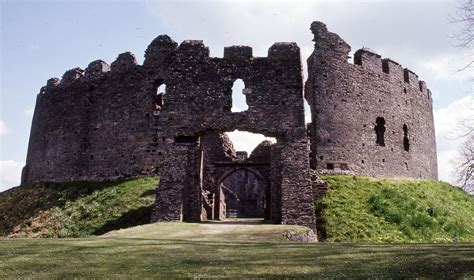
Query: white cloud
(448, 130)
(446, 67)
(10, 174)
(246, 141)
(396, 29)
(3, 128)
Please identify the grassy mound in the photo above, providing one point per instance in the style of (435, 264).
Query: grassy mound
(355, 209)
(75, 209)
(362, 209)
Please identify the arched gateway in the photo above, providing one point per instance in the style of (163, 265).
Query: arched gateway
(197, 107)
(244, 194)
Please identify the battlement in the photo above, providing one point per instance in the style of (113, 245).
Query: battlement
(372, 61)
(368, 58)
(284, 51)
(330, 46)
(96, 69)
(238, 52)
(124, 62)
(158, 50)
(71, 76)
(159, 53)
(192, 49)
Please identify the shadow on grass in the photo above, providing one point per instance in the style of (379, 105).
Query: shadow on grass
(237, 222)
(20, 204)
(132, 218)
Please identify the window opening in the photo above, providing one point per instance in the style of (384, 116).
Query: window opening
(239, 100)
(380, 131)
(406, 141)
(159, 100)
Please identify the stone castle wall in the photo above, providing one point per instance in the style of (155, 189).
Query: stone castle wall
(95, 124)
(198, 103)
(352, 103)
(106, 122)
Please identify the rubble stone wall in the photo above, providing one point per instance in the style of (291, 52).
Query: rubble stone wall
(372, 117)
(95, 124)
(198, 102)
(169, 116)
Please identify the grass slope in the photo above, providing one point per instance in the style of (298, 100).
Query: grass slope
(179, 250)
(75, 209)
(362, 209)
(355, 209)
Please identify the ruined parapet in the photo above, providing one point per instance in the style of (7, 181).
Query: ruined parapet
(372, 117)
(262, 153)
(159, 50)
(96, 69)
(124, 62)
(238, 53)
(368, 58)
(71, 76)
(330, 45)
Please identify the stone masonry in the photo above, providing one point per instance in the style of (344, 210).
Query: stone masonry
(168, 117)
(372, 117)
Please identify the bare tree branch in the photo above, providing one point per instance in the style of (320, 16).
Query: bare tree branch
(464, 39)
(464, 173)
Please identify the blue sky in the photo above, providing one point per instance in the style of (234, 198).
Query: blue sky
(40, 40)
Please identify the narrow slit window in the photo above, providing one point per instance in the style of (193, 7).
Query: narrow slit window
(380, 131)
(406, 76)
(385, 67)
(239, 100)
(406, 141)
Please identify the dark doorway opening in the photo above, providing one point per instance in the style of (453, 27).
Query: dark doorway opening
(244, 196)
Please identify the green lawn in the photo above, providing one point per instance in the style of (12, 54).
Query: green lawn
(174, 250)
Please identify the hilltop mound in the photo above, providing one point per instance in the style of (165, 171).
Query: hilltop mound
(355, 209)
(363, 209)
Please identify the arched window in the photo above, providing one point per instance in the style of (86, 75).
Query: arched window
(239, 100)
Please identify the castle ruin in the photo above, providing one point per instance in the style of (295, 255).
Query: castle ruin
(372, 117)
